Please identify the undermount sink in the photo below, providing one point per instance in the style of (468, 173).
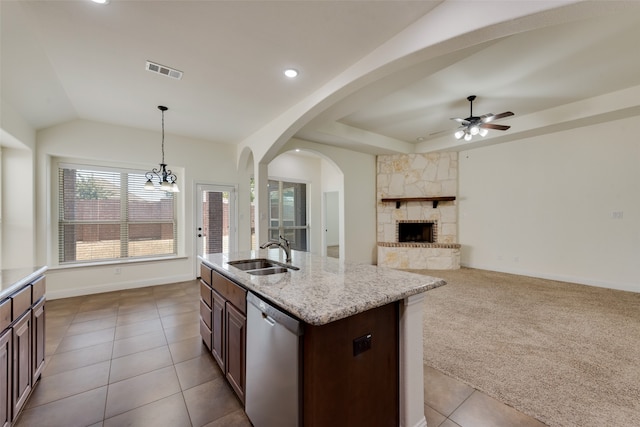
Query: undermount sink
(266, 271)
(261, 266)
(252, 264)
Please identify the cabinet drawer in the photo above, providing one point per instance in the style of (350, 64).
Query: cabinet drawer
(39, 289)
(232, 292)
(21, 302)
(205, 274)
(205, 293)
(5, 314)
(205, 314)
(205, 333)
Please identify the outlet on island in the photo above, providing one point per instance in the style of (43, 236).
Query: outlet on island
(361, 344)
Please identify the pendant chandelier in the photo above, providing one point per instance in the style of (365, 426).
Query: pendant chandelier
(166, 178)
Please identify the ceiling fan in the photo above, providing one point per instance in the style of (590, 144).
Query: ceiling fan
(478, 125)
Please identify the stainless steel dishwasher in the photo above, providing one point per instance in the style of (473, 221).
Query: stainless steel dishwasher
(274, 349)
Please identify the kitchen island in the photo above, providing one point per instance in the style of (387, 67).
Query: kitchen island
(22, 337)
(325, 294)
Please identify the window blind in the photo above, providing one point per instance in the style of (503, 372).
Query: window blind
(106, 214)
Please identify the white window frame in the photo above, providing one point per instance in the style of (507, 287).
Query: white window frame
(280, 227)
(54, 255)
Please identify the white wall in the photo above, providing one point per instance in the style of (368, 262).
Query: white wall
(358, 203)
(192, 160)
(547, 206)
(17, 191)
(18, 206)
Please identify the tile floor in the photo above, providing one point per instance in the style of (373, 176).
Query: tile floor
(135, 358)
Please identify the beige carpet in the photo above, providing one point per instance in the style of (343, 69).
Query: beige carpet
(566, 354)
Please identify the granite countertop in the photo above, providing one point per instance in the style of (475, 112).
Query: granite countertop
(324, 289)
(14, 278)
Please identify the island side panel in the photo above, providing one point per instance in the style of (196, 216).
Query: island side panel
(341, 388)
(412, 362)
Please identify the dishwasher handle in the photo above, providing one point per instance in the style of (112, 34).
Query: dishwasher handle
(268, 319)
(276, 314)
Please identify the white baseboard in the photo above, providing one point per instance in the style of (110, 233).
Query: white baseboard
(120, 286)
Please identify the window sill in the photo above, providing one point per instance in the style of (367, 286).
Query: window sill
(117, 263)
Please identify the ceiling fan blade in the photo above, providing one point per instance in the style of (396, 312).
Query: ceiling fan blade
(494, 126)
(497, 116)
(459, 120)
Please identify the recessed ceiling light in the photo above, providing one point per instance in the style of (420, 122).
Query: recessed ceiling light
(291, 72)
(101, 1)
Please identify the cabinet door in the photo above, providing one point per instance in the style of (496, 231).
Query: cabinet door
(236, 341)
(218, 329)
(38, 327)
(21, 362)
(5, 378)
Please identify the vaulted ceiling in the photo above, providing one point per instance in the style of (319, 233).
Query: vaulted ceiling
(64, 60)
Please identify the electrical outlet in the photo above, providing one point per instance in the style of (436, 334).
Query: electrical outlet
(118, 270)
(361, 344)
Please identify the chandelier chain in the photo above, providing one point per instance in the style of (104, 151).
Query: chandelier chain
(162, 136)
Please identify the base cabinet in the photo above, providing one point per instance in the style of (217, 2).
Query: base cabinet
(236, 356)
(21, 362)
(218, 329)
(38, 334)
(227, 334)
(22, 347)
(6, 374)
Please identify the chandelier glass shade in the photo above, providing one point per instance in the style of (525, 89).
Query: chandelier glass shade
(166, 178)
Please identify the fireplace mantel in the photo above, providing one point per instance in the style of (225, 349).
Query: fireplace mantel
(435, 200)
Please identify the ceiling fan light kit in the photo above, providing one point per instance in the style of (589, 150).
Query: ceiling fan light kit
(478, 125)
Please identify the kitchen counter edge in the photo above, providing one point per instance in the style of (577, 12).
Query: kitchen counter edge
(12, 280)
(314, 310)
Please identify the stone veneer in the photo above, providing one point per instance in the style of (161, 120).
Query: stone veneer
(418, 175)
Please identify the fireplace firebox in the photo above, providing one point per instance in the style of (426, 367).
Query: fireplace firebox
(417, 231)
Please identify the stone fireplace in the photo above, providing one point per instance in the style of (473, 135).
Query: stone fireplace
(417, 213)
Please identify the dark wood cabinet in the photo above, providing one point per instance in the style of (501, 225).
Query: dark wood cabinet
(350, 384)
(6, 374)
(38, 334)
(218, 329)
(21, 361)
(205, 305)
(228, 327)
(22, 347)
(236, 355)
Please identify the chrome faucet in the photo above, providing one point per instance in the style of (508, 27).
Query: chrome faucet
(282, 244)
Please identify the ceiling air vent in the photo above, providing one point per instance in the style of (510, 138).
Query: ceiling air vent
(164, 70)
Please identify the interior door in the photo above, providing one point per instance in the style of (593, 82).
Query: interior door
(216, 223)
(332, 223)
